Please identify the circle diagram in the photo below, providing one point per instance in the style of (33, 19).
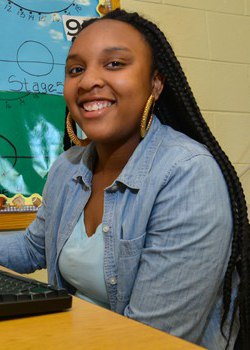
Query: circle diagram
(33, 65)
(8, 159)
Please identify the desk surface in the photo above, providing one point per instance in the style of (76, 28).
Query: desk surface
(85, 326)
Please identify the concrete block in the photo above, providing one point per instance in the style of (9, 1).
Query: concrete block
(232, 132)
(229, 37)
(143, 1)
(245, 179)
(218, 86)
(227, 6)
(209, 118)
(247, 7)
(185, 28)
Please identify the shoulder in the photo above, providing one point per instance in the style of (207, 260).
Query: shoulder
(191, 181)
(65, 167)
(179, 154)
(181, 144)
(69, 160)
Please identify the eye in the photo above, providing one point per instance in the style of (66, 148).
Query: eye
(115, 64)
(74, 70)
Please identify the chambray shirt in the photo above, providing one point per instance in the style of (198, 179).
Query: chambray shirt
(167, 231)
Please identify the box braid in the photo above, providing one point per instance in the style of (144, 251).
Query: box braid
(177, 107)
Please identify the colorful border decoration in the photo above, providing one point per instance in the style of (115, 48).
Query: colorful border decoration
(106, 6)
(19, 203)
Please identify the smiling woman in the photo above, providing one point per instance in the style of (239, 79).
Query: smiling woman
(149, 218)
(108, 82)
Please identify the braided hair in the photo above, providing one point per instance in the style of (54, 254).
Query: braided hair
(177, 107)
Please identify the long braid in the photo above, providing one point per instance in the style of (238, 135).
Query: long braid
(177, 107)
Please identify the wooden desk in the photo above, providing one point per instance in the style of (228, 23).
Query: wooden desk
(85, 327)
(16, 221)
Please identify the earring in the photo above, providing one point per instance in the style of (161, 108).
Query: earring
(72, 135)
(148, 110)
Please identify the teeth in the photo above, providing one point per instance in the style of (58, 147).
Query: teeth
(96, 106)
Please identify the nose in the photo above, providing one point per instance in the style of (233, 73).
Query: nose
(90, 79)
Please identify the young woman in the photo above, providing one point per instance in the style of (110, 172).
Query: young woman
(139, 217)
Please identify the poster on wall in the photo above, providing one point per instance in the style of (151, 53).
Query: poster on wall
(35, 39)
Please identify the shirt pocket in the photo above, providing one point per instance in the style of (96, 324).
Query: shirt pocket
(128, 264)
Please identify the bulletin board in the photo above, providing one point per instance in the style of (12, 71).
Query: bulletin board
(35, 39)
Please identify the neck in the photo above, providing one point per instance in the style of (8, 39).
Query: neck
(113, 158)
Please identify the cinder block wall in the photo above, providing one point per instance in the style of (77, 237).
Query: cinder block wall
(212, 41)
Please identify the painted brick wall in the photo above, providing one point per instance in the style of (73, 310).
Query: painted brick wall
(212, 41)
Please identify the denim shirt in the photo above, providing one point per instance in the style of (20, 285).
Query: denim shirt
(167, 230)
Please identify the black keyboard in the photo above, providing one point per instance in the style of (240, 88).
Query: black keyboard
(20, 296)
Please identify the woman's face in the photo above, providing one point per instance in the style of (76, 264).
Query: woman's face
(108, 81)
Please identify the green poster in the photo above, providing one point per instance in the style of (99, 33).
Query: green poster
(31, 138)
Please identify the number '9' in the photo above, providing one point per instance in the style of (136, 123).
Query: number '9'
(74, 26)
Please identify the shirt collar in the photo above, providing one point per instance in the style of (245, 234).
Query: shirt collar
(141, 160)
(85, 167)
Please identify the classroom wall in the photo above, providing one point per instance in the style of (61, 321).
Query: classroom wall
(212, 41)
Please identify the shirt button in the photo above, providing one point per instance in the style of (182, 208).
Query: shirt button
(105, 228)
(114, 188)
(112, 281)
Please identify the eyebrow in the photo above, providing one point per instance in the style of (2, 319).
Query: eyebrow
(108, 49)
(72, 57)
(117, 48)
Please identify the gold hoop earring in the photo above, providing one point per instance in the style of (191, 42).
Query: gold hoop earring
(148, 110)
(72, 135)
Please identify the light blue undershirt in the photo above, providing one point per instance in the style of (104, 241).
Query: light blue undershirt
(81, 264)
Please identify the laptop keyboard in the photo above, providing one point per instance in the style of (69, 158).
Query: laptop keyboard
(20, 296)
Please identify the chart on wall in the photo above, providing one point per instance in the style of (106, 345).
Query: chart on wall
(35, 38)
